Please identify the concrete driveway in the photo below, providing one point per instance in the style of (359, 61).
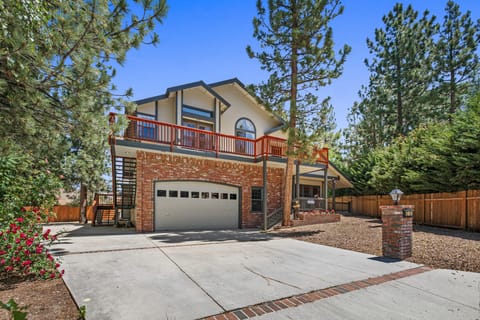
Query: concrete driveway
(118, 274)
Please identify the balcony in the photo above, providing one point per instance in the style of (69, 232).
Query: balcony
(173, 136)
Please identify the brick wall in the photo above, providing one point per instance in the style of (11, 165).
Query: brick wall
(152, 167)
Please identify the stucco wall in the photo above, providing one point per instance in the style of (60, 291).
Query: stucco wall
(195, 97)
(243, 107)
(147, 108)
(166, 110)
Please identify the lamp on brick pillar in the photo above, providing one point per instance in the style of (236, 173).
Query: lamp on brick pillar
(397, 228)
(396, 194)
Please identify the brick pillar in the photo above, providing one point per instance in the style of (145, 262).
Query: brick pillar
(397, 231)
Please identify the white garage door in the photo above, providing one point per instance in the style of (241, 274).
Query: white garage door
(195, 205)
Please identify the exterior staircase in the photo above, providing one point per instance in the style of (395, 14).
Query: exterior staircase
(124, 187)
(274, 218)
(103, 210)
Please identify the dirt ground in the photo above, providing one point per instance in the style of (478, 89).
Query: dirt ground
(45, 299)
(434, 247)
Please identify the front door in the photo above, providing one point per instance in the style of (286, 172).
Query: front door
(195, 139)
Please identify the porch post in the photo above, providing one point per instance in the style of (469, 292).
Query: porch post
(265, 194)
(297, 180)
(334, 183)
(325, 187)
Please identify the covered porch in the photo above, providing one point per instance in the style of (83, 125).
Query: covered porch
(315, 187)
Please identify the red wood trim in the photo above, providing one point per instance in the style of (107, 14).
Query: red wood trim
(230, 141)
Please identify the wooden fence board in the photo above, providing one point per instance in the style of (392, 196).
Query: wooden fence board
(473, 210)
(69, 214)
(448, 209)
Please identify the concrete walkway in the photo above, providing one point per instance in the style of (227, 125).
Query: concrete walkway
(118, 274)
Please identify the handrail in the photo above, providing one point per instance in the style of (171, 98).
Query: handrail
(197, 139)
(273, 218)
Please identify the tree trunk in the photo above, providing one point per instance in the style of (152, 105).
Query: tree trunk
(292, 135)
(287, 191)
(453, 97)
(399, 101)
(83, 203)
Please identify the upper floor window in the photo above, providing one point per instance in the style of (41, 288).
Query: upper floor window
(197, 113)
(146, 130)
(245, 128)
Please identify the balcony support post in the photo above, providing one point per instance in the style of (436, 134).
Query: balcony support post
(265, 194)
(325, 188)
(172, 138)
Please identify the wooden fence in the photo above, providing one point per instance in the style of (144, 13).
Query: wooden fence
(454, 210)
(69, 214)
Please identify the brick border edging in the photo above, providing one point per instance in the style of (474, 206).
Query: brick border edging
(304, 298)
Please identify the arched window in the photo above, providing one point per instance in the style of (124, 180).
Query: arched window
(244, 128)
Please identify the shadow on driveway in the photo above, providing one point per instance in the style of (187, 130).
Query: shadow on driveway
(207, 236)
(66, 229)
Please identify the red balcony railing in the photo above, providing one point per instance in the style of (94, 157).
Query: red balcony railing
(189, 138)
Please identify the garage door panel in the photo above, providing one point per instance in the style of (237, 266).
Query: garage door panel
(195, 205)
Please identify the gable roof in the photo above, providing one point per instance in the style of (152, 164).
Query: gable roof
(184, 87)
(211, 91)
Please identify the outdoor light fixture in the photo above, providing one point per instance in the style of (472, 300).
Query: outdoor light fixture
(396, 194)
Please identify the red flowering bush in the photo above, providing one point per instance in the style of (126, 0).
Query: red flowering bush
(23, 248)
(23, 245)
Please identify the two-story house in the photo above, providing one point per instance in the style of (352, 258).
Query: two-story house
(209, 156)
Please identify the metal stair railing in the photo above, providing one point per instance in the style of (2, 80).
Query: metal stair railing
(125, 187)
(274, 218)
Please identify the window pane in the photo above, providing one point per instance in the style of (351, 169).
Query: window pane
(195, 194)
(233, 196)
(245, 125)
(215, 195)
(198, 112)
(146, 116)
(224, 196)
(173, 194)
(183, 194)
(257, 199)
(205, 195)
(161, 193)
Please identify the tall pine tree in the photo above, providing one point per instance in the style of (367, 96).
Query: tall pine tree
(456, 55)
(297, 49)
(401, 67)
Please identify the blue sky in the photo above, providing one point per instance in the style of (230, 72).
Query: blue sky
(206, 40)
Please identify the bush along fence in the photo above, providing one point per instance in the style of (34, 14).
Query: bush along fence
(459, 210)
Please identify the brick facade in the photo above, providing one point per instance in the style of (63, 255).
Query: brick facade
(396, 232)
(153, 167)
(307, 218)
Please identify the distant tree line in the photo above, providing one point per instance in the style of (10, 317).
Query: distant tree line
(417, 123)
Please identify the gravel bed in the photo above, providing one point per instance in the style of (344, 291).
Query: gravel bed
(434, 247)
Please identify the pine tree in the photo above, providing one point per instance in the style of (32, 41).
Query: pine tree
(297, 49)
(56, 77)
(401, 66)
(466, 149)
(456, 55)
